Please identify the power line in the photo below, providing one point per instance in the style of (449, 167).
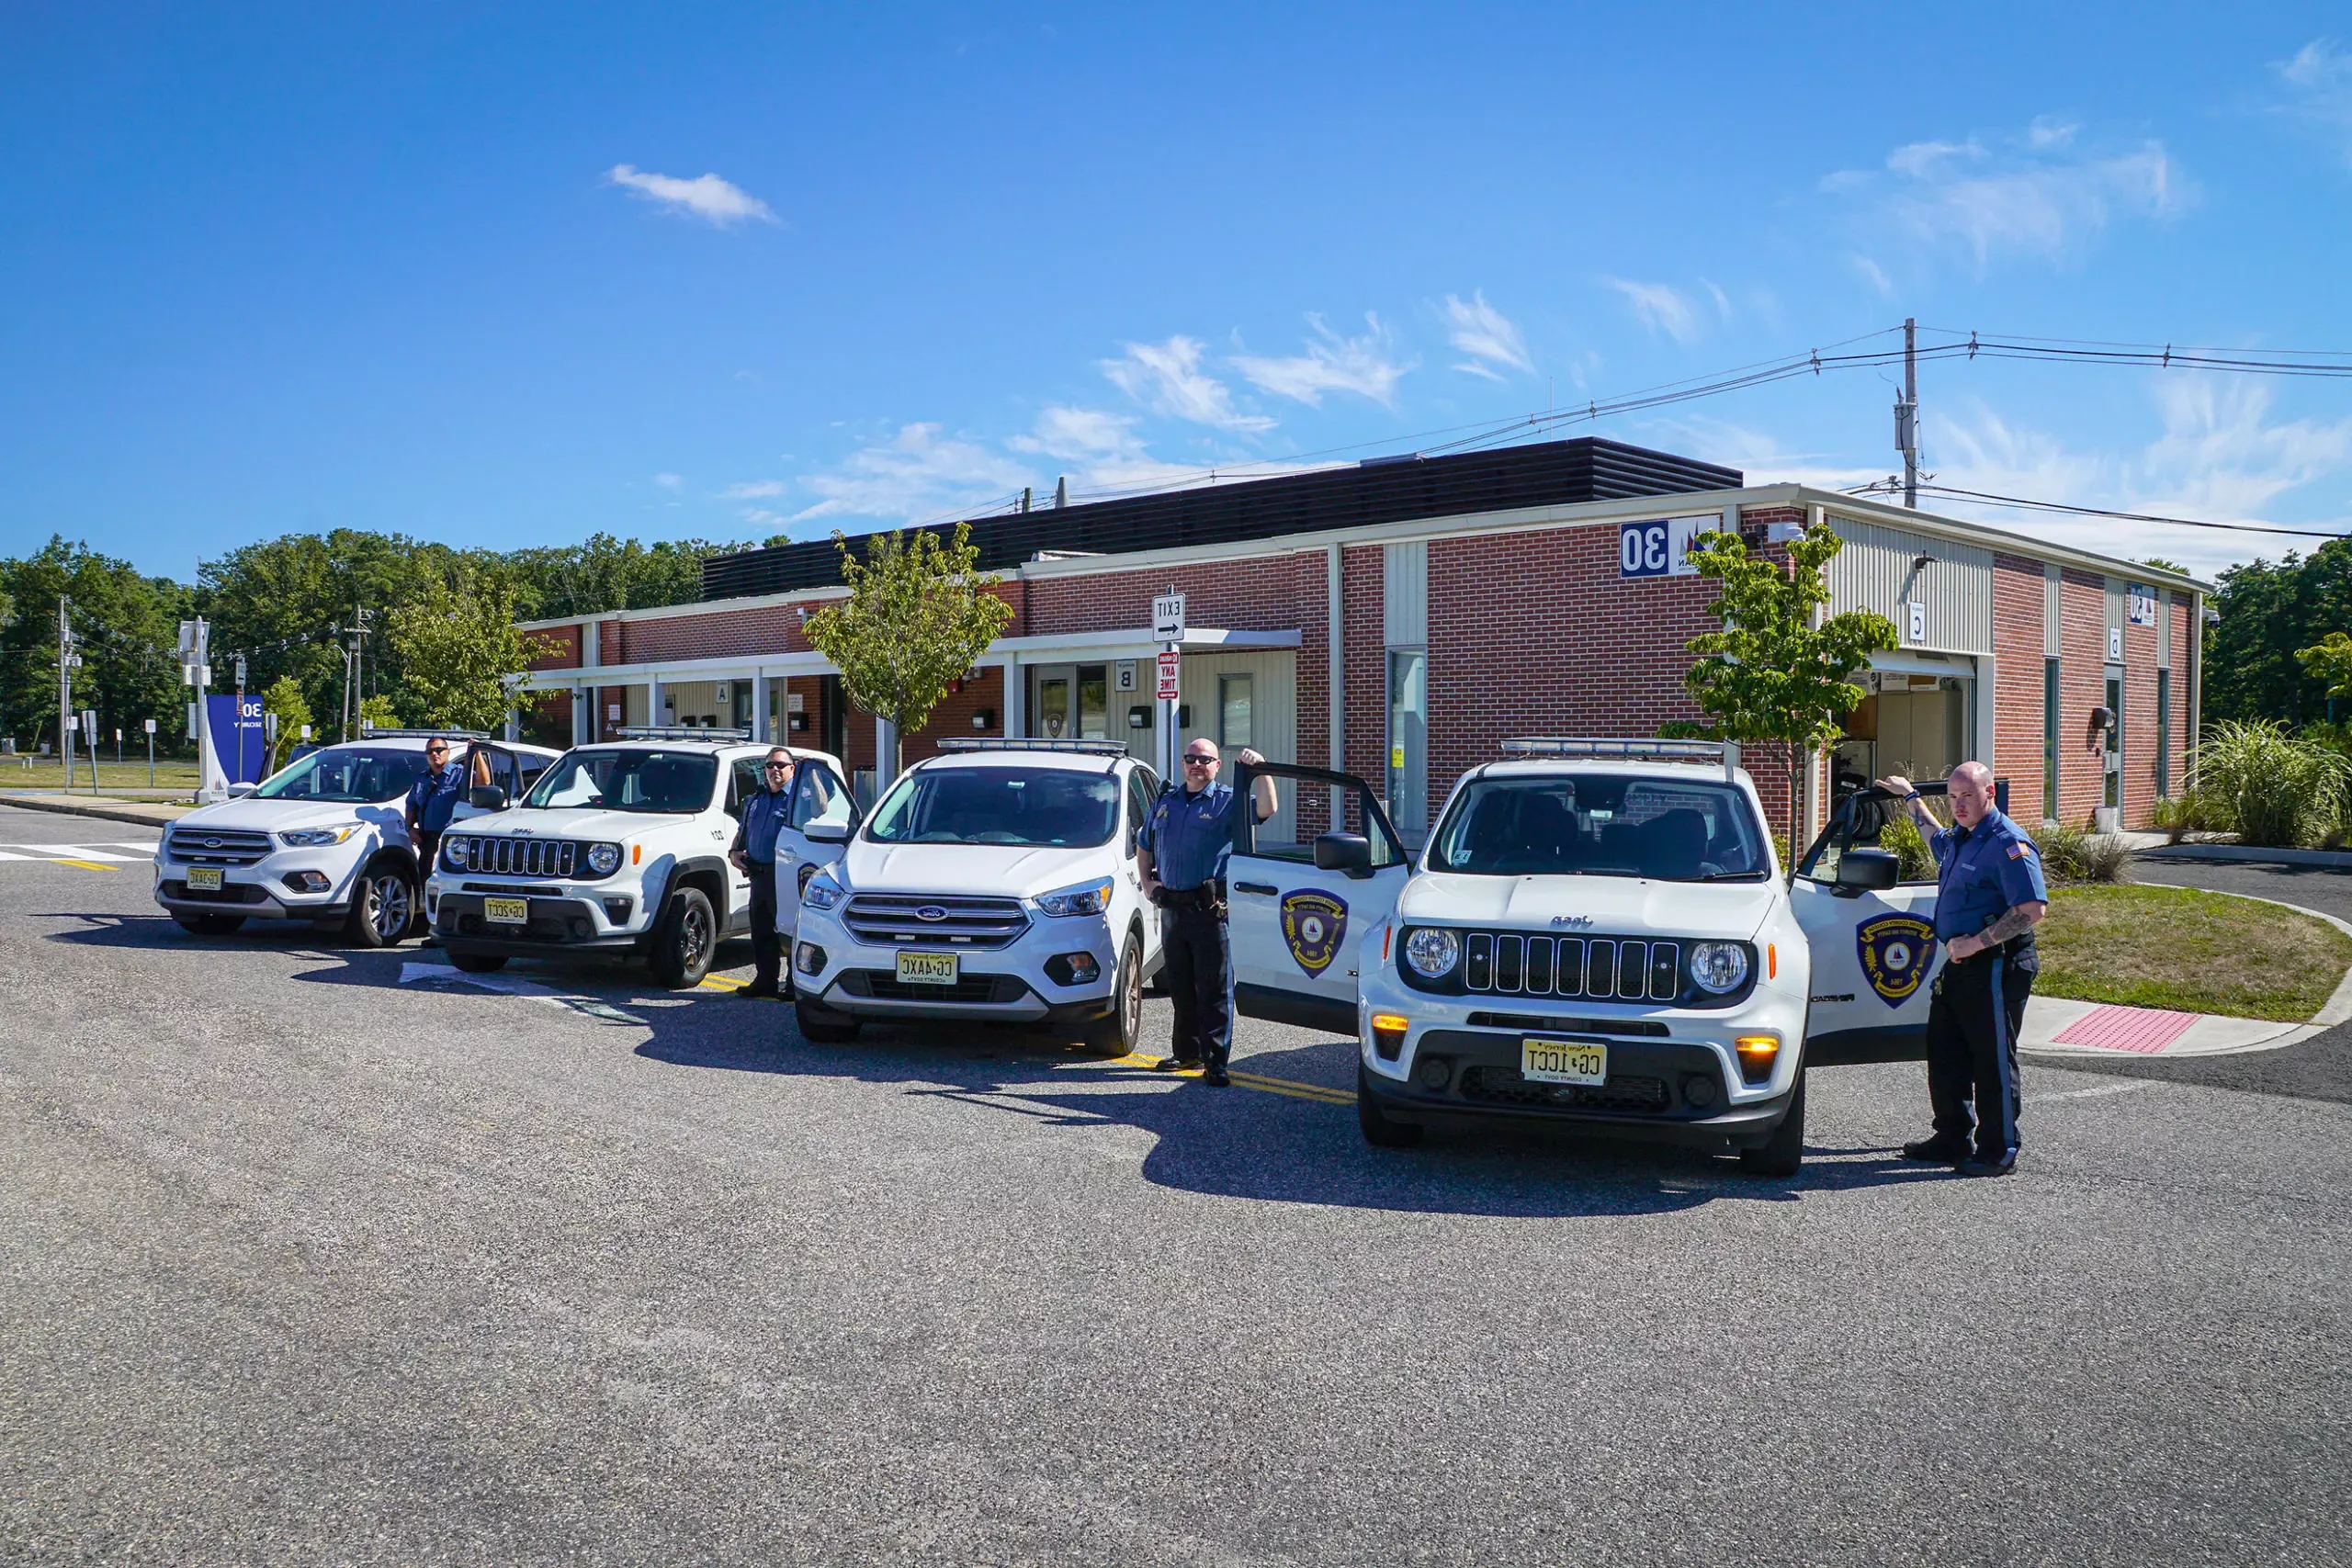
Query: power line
(1882, 487)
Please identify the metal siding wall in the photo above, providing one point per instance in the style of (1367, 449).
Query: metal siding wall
(1874, 572)
(2049, 641)
(1404, 597)
(1273, 716)
(2164, 630)
(2114, 616)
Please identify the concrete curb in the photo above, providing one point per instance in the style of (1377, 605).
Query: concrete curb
(2340, 859)
(110, 811)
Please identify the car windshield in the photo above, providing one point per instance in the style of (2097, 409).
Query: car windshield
(348, 774)
(675, 784)
(1059, 806)
(1600, 825)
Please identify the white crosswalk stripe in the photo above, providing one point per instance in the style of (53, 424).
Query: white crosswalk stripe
(104, 849)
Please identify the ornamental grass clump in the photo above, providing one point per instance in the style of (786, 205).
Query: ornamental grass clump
(2069, 855)
(2272, 787)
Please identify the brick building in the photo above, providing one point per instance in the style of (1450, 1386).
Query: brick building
(1532, 589)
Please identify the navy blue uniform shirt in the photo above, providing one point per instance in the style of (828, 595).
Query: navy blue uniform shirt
(1983, 871)
(1190, 835)
(434, 797)
(763, 815)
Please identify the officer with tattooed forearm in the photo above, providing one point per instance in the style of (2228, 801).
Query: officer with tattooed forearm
(1989, 896)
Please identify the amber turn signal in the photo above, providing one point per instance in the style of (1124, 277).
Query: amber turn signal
(1757, 1054)
(1388, 1034)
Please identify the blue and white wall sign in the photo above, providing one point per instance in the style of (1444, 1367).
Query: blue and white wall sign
(237, 737)
(1658, 547)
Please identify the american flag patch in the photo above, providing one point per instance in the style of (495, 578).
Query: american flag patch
(2017, 852)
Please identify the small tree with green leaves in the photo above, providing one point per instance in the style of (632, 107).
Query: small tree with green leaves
(285, 699)
(458, 647)
(2329, 661)
(378, 713)
(1770, 674)
(918, 613)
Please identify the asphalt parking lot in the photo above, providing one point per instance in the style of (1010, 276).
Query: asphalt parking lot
(323, 1256)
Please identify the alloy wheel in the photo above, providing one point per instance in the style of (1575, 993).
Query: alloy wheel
(388, 894)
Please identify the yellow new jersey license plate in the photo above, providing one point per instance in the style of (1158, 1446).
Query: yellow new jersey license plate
(927, 968)
(1562, 1061)
(204, 878)
(507, 912)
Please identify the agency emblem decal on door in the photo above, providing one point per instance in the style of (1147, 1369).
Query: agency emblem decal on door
(1897, 951)
(1313, 924)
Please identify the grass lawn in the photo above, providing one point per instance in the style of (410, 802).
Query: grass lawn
(2190, 951)
(47, 773)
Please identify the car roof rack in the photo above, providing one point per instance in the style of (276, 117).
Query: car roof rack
(679, 732)
(1022, 743)
(1627, 750)
(369, 732)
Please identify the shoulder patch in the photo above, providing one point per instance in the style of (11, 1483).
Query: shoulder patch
(2017, 850)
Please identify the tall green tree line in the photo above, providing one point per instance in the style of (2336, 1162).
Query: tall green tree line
(280, 602)
(2269, 610)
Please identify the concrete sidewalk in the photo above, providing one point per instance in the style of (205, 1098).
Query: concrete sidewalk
(145, 813)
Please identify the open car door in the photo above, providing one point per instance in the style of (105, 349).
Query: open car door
(816, 833)
(1299, 911)
(1874, 950)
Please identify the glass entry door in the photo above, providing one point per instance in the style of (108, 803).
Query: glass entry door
(1070, 702)
(1408, 733)
(2114, 795)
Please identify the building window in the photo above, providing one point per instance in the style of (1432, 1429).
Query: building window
(2164, 732)
(1233, 711)
(2049, 739)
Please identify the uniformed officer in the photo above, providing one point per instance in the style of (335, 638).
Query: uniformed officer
(1180, 856)
(1989, 896)
(755, 855)
(433, 797)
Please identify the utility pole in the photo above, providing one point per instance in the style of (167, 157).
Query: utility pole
(1907, 413)
(66, 659)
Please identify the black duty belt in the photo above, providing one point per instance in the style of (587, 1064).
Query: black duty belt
(1209, 896)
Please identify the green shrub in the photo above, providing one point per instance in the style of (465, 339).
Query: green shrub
(2071, 855)
(2270, 786)
(1902, 835)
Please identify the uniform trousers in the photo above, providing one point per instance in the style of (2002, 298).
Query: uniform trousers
(1973, 1023)
(767, 943)
(1198, 948)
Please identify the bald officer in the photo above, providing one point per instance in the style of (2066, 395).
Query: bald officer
(1180, 857)
(1989, 896)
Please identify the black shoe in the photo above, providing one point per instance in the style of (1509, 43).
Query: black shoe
(1977, 1165)
(1175, 1063)
(1215, 1078)
(756, 989)
(1944, 1148)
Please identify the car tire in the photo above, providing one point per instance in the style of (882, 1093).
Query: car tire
(684, 939)
(383, 906)
(820, 1025)
(210, 925)
(477, 962)
(1784, 1154)
(1119, 1032)
(1381, 1130)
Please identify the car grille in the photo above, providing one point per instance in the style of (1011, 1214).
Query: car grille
(217, 846)
(880, 919)
(520, 857)
(1635, 1092)
(1600, 968)
(881, 985)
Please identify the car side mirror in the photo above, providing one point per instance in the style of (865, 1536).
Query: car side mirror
(1350, 853)
(826, 832)
(1868, 870)
(488, 797)
(239, 791)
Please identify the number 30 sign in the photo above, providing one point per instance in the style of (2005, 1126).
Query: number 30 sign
(1658, 547)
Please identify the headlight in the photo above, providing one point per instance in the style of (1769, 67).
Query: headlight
(1086, 899)
(822, 892)
(1432, 951)
(1719, 966)
(604, 859)
(309, 837)
(455, 853)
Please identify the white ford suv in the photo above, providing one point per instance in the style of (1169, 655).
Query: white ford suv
(1598, 933)
(621, 849)
(994, 882)
(323, 838)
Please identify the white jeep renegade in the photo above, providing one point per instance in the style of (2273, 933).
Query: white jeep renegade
(323, 838)
(1599, 934)
(994, 882)
(621, 848)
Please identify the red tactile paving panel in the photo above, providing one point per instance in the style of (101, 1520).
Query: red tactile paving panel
(2145, 1030)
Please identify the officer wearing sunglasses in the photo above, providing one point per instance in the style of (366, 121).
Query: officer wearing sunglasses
(1180, 856)
(753, 854)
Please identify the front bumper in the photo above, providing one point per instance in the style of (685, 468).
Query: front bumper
(564, 921)
(261, 891)
(1010, 984)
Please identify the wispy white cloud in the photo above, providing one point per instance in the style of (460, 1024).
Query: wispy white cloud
(1723, 300)
(1331, 363)
(671, 482)
(1167, 378)
(2318, 91)
(1874, 275)
(918, 472)
(754, 490)
(1079, 436)
(705, 196)
(1490, 338)
(1659, 307)
(2033, 193)
(1762, 458)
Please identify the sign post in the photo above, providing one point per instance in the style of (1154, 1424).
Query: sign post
(151, 753)
(1168, 631)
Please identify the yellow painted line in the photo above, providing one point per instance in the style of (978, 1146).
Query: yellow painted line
(84, 864)
(1291, 1086)
(721, 983)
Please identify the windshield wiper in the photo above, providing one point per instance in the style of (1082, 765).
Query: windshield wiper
(1725, 876)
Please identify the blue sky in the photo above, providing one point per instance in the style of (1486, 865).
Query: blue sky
(507, 274)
